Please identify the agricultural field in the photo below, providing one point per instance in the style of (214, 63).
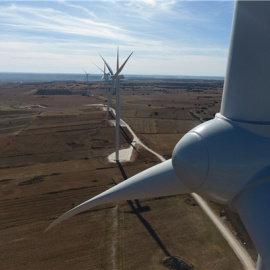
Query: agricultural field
(54, 144)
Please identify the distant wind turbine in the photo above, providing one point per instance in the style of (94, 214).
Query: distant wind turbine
(86, 74)
(87, 79)
(105, 77)
(116, 86)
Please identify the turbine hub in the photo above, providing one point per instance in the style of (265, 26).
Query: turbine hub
(190, 160)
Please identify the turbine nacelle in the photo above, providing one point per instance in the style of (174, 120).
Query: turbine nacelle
(216, 159)
(229, 162)
(105, 75)
(117, 74)
(120, 77)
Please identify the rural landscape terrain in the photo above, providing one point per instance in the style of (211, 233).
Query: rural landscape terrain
(54, 148)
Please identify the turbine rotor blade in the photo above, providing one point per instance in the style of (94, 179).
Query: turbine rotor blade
(253, 205)
(156, 181)
(121, 68)
(84, 71)
(99, 68)
(250, 43)
(107, 65)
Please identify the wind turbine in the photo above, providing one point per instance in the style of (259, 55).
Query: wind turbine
(116, 87)
(105, 77)
(226, 159)
(87, 79)
(111, 91)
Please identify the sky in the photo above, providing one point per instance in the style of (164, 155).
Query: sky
(189, 38)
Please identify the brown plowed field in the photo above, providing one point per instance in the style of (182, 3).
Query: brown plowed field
(53, 157)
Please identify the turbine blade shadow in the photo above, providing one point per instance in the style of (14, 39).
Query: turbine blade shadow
(137, 211)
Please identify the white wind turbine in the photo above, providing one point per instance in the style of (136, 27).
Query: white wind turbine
(226, 159)
(116, 88)
(111, 91)
(87, 79)
(105, 77)
(86, 75)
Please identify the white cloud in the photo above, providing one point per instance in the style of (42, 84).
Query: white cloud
(63, 34)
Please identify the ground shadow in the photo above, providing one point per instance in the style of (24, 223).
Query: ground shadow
(153, 234)
(137, 202)
(111, 114)
(128, 139)
(137, 210)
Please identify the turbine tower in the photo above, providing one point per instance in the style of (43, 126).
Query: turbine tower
(116, 87)
(226, 159)
(87, 80)
(111, 91)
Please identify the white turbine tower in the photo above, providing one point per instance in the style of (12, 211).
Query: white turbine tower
(116, 87)
(226, 159)
(111, 91)
(87, 80)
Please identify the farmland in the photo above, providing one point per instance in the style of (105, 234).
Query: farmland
(54, 150)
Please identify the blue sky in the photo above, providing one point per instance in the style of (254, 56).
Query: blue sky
(167, 37)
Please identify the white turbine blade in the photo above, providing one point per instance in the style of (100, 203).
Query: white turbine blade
(121, 68)
(246, 91)
(84, 71)
(253, 206)
(107, 65)
(157, 181)
(99, 68)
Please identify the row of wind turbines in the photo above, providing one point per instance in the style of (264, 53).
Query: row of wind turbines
(115, 79)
